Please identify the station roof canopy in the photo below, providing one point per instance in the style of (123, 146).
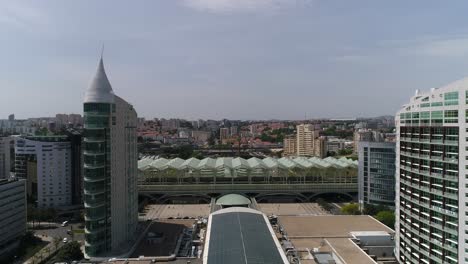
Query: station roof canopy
(238, 235)
(232, 199)
(153, 163)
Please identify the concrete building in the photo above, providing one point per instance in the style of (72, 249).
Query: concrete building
(110, 169)
(362, 135)
(336, 144)
(11, 117)
(199, 136)
(432, 176)
(12, 214)
(290, 146)
(376, 173)
(320, 149)
(306, 137)
(223, 134)
(234, 131)
(45, 162)
(4, 157)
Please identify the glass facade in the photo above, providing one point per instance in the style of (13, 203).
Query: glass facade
(96, 152)
(377, 173)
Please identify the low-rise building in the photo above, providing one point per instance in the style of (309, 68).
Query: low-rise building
(351, 239)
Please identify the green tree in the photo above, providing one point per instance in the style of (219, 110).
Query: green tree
(370, 209)
(69, 252)
(351, 209)
(344, 152)
(387, 218)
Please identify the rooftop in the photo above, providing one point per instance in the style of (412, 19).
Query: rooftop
(232, 199)
(153, 163)
(249, 238)
(333, 233)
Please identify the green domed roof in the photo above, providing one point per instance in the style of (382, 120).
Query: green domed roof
(232, 199)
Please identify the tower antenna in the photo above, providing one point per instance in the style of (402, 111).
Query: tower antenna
(102, 50)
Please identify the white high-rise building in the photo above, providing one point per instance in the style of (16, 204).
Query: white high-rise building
(110, 169)
(306, 138)
(432, 177)
(45, 163)
(4, 157)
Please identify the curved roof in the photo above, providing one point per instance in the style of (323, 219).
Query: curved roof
(100, 90)
(233, 199)
(221, 164)
(250, 239)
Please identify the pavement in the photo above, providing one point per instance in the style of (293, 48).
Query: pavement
(165, 211)
(291, 209)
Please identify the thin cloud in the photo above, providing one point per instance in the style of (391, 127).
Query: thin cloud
(445, 47)
(227, 6)
(431, 46)
(13, 13)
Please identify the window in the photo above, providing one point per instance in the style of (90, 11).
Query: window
(451, 96)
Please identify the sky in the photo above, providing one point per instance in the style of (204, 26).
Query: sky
(235, 59)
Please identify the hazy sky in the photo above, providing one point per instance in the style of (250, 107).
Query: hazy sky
(237, 59)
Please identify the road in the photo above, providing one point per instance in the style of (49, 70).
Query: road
(48, 232)
(57, 230)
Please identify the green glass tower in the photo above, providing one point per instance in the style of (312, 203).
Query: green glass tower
(110, 158)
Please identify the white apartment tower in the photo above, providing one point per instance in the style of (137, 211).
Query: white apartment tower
(306, 137)
(432, 177)
(110, 169)
(45, 163)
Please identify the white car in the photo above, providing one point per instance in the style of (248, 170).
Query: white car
(65, 240)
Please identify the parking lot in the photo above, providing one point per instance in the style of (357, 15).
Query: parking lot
(178, 211)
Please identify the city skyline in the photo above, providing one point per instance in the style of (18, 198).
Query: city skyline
(201, 55)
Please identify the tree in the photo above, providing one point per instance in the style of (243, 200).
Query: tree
(370, 209)
(70, 252)
(56, 242)
(387, 218)
(351, 209)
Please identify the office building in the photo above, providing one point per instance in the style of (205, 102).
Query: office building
(376, 173)
(432, 176)
(12, 214)
(110, 169)
(4, 157)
